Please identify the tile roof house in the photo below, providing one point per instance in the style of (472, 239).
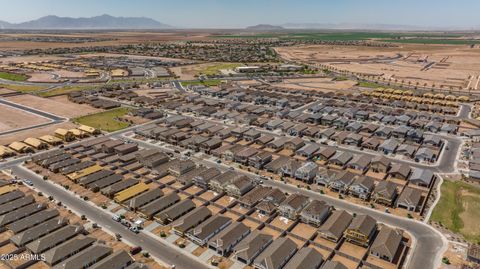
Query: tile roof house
(293, 205)
(386, 244)
(333, 265)
(315, 213)
(385, 193)
(341, 158)
(380, 164)
(332, 229)
(249, 248)
(421, 177)
(400, 171)
(239, 186)
(306, 258)
(276, 255)
(209, 228)
(362, 187)
(325, 176)
(361, 230)
(389, 146)
(225, 241)
(307, 172)
(342, 181)
(409, 199)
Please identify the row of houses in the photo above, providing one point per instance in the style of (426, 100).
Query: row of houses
(36, 229)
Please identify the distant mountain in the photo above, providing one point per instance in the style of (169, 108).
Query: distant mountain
(264, 27)
(97, 22)
(4, 24)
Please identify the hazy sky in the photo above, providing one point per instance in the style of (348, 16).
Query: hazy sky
(240, 13)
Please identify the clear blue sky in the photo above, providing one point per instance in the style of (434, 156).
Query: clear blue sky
(240, 13)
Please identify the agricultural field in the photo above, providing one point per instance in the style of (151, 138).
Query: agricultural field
(427, 38)
(106, 121)
(459, 209)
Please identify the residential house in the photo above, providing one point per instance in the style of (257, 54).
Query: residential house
(239, 186)
(276, 255)
(315, 213)
(387, 243)
(341, 158)
(362, 187)
(332, 229)
(380, 164)
(342, 181)
(385, 193)
(249, 248)
(307, 172)
(361, 230)
(421, 177)
(260, 159)
(208, 229)
(400, 171)
(389, 146)
(309, 150)
(293, 205)
(306, 258)
(225, 241)
(360, 163)
(325, 176)
(409, 199)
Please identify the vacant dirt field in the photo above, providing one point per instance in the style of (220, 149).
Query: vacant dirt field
(13, 118)
(3, 90)
(58, 105)
(37, 132)
(118, 38)
(446, 66)
(41, 77)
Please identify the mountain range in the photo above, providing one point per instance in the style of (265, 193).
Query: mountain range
(98, 22)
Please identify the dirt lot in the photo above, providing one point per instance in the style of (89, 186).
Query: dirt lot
(17, 118)
(443, 65)
(58, 105)
(118, 38)
(41, 77)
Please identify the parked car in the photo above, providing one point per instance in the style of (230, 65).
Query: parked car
(28, 182)
(135, 229)
(135, 250)
(116, 218)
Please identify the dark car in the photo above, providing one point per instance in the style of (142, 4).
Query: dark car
(135, 250)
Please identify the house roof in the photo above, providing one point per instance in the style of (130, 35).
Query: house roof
(387, 242)
(306, 258)
(59, 252)
(275, 254)
(53, 239)
(419, 175)
(119, 259)
(386, 189)
(315, 208)
(231, 234)
(410, 196)
(255, 241)
(296, 201)
(363, 224)
(336, 224)
(207, 227)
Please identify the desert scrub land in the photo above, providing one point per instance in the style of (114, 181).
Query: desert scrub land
(459, 209)
(106, 120)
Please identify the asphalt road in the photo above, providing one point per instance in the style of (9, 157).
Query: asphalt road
(430, 244)
(156, 248)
